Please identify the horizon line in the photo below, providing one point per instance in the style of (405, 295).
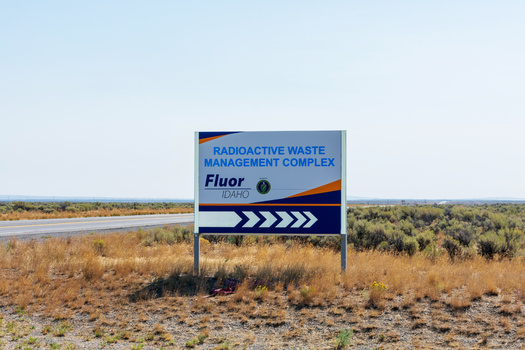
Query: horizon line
(9, 198)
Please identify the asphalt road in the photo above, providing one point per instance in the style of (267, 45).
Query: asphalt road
(60, 227)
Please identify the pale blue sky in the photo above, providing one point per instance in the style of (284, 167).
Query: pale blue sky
(102, 98)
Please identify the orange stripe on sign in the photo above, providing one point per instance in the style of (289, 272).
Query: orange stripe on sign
(332, 186)
(267, 205)
(201, 141)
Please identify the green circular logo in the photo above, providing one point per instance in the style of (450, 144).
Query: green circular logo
(263, 186)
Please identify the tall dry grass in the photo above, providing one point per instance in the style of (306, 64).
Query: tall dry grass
(97, 271)
(36, 215)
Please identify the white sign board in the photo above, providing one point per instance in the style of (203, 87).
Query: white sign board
(284, 182)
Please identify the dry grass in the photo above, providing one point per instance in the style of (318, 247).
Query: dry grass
(36, 215)
(63, 277)
(71, 269)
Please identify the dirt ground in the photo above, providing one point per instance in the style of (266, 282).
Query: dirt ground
(271, 320)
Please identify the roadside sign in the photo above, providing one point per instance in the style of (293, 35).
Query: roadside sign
(274, 182)
(282, 182)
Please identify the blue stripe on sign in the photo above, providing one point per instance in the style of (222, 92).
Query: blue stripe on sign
(261, 219)
(208, 134)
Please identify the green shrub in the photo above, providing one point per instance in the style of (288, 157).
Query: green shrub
(489, 245)
(61, 329)
(462, 232)
(397, 241)
(376, 233)
(425, 238)
(359, 231)
(260, 292)
(432, 251)
(464, 226)
(453, 247)
(499, 221)
(99, 246)
(343, 339)
(505, 243)
(406, 227)
(383, 246)
(164, 235)
(429, 214)
(306, 292)
(512, 240)
(410, 245)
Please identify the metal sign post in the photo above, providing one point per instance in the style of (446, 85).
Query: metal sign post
(196, 235)
(196, 254)
(343, 202)
(270, 183)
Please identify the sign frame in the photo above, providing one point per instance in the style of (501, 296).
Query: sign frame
(343, 202)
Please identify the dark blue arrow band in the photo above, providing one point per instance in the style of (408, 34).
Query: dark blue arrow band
(328, 220)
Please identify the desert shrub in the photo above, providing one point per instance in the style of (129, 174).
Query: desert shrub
(432, 251)
(306, 293)
(260, 292)
(505, 243)
(183, 233)
(99, 246)
(397, 241)
(516, 223)
(462, 213)
(490, 244)
(406, 227)
(376, 294)
(462, 232)
(419, 224)
(368, 235)
(388, 215)
(499, 221)
(140, 234)
(359, 231)
(383, 246)
(236, 239)
(165, 235)
(441, 225)
(429, 214)
(376, 234)
(351, 238)
(410, 245)
(24, 206)
(512, 240)
(425, 238)
(158, 235)
(343, 339)
(350, 219)
(452, 246)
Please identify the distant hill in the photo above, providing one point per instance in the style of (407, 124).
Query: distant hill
(394, 201)
(7, 198)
